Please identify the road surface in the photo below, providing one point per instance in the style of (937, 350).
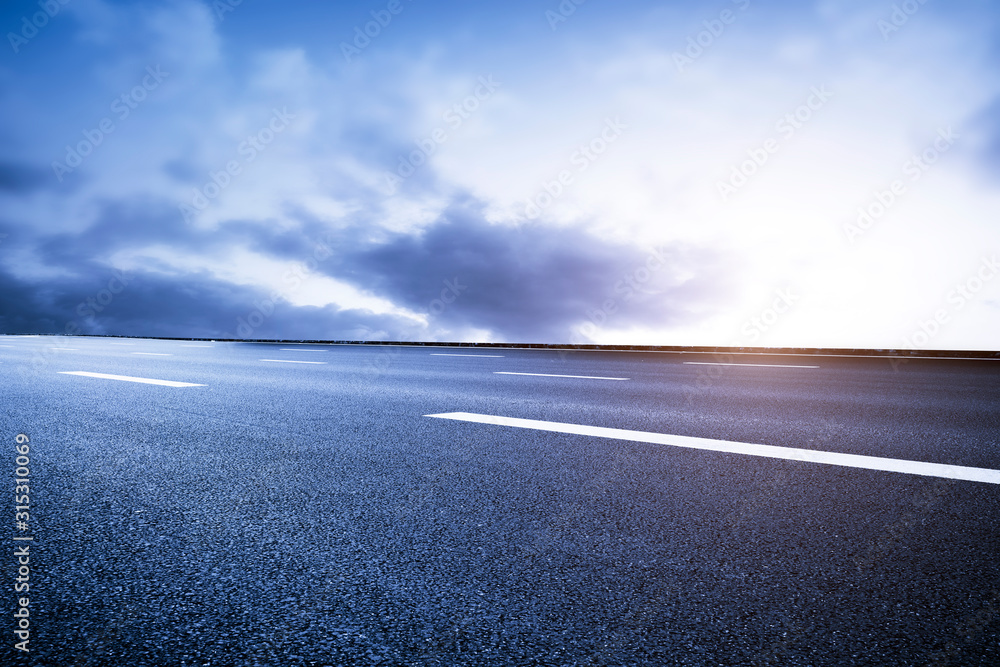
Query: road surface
(199, 503)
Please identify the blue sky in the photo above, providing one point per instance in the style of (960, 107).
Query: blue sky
(820, 174)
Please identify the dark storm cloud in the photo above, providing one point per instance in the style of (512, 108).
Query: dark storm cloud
(92, 297)
(195, 305)
(530, 284)
(130, 224)
(533, 284)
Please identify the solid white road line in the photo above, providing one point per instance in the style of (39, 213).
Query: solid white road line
(832, 356)
(128, 378)
(71, 349)
(197, 346)
(719, 363)
(550, 375)
(292, 361)
(154, 354)
(295, 349)
(485, 356)
(769, 451)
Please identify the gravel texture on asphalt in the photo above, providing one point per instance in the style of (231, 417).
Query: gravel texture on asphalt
(288, 514)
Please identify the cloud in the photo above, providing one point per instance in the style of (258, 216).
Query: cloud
(21, 179)
(529, 284)
(460, 273)
(987, 123)
(90, 295)
(442, 258)
(195, 305)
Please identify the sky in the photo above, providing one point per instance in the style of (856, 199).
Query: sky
(734, 173)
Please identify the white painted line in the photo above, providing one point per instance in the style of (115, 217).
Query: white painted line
(769, 451)
(485, 356)
(827, 356)
(550, 375)
(6, 346)
(294, 349)
(128, 378)
(72, 349)
(197, 346)
(719, 363)
(116, 343)
(154, 354)
(292, 361)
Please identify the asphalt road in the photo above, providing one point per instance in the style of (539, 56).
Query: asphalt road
(313, 514)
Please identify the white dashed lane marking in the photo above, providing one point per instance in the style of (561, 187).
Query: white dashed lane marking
(551, 375)
(292, 361)
(484, 356)
(719, 363)
(769, 451)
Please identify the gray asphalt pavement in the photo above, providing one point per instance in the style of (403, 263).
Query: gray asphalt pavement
(282, 513)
